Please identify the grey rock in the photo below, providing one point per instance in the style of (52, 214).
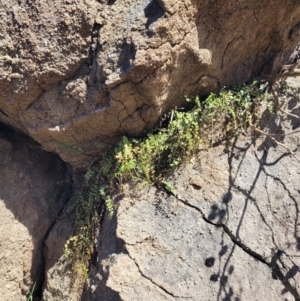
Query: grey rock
(169, 252)
(252, 189)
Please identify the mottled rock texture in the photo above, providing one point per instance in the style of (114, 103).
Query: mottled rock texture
(231, 232)
(171, 253)
(76, 72)
(76, 75)
(34, 186)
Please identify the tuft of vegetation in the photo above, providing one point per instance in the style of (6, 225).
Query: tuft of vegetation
(89, 208)
(33, 289)
(151, 158)
(229, 112)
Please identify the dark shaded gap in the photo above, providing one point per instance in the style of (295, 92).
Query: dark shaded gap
(153, 11)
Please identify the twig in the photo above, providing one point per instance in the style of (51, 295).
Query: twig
(172, 116)
(278, 107)
(275, 141)
(212, 131)
(285, 134)
(289, 114)
(285, 76)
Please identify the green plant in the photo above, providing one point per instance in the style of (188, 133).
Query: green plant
(151, 158)
(169, 187)
(31, 293)
(164, 149)
(89, 208)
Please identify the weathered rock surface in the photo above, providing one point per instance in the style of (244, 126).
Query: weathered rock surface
(34, 187)
(58, 283)
(231, 232)
(77, 72)
(58, 279)
(173, 254)
(76, 75)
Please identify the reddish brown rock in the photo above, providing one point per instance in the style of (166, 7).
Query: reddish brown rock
(75, 72)
(34, 187)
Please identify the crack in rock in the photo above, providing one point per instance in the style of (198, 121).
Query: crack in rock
(273, 266)
(156, 284)
(52, 225)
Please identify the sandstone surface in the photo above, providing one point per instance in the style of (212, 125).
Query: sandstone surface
(77, 74)
(34, 187)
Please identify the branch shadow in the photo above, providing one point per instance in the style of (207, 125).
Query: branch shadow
(282, 265)
(108, 247)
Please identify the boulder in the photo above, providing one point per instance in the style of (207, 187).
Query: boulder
(34, 187)
(171, 253)
(76, 75)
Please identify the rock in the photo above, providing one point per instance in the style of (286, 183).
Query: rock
(252, 190)
(75, 76)
(59, 283)
(231, 232)
(170, 253)
(58, 278)
(34, 187)
(78, 72)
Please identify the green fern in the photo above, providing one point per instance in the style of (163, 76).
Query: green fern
(109, 206)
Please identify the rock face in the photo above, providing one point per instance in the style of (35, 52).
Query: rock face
(172, 253)
(76, 75)
(231, 232)
(77, 72)
(34, 187)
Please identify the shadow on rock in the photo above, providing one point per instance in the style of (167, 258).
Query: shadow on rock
(34, 187)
